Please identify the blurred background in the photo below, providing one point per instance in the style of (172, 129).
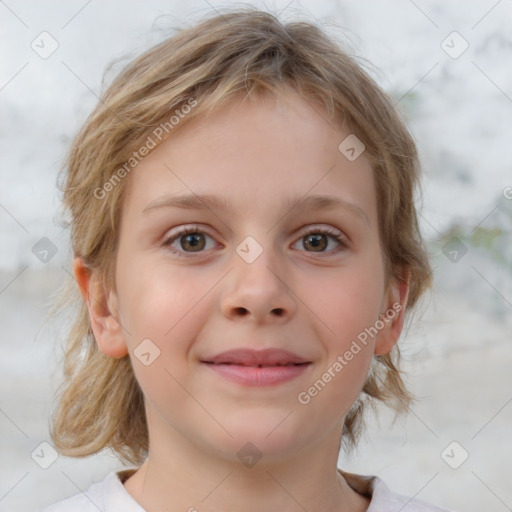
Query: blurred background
(448, 64)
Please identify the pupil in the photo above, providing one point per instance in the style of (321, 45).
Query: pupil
(316, 241)
(194, 241)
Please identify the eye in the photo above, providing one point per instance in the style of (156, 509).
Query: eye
(316, 239)
(191, 239)
(188, 239)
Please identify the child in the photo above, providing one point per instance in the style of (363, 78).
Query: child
(231, 372)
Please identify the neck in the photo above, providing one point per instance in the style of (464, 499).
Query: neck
(182, 477)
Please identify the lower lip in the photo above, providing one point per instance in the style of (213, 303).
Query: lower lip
(256, 376)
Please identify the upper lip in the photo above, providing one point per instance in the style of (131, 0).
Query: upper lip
(250, 357)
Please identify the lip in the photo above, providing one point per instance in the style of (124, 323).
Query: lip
(257, 368)
(250, 357)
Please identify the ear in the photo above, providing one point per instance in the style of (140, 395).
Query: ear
(103, 310)
(392, 314)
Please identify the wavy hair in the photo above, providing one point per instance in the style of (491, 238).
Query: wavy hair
(238, 52)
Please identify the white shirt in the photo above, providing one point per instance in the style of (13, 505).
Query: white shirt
(110, 495)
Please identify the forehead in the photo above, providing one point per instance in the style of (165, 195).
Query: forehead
(255, 154)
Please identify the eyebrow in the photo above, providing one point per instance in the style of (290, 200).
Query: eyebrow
(210, 202)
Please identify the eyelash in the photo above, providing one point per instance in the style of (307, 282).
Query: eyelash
(336, 235)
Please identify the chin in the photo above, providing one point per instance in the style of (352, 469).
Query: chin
(268, 436)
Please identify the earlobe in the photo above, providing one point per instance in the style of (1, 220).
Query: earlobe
(393, 315)
(103, 310)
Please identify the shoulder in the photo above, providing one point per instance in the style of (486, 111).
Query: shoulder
(77, 503)
(386, 500)
(383, 499)
(108, 495)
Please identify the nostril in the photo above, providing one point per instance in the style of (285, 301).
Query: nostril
(278, 311)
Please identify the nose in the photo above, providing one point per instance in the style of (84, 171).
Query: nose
(259, 292)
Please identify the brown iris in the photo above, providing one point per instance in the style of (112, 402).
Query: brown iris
(315, 241)
(192, 241)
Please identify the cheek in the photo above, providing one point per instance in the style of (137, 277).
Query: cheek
(346, 302)
(348, 305)
(349, 348)
(165, 307)
(162, 315)
(152, 300)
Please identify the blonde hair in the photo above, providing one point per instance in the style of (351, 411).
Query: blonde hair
(237, 52)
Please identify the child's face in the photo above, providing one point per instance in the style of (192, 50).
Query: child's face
(308, 295)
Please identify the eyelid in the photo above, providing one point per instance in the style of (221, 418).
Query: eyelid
(178, 233)
(319, 228)
(334, 233)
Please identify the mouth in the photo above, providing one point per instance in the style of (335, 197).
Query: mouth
(257, 368)
(257, 365)
(250, 357)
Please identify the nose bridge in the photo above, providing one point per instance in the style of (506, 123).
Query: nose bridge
(257, 263)
(258, 281)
